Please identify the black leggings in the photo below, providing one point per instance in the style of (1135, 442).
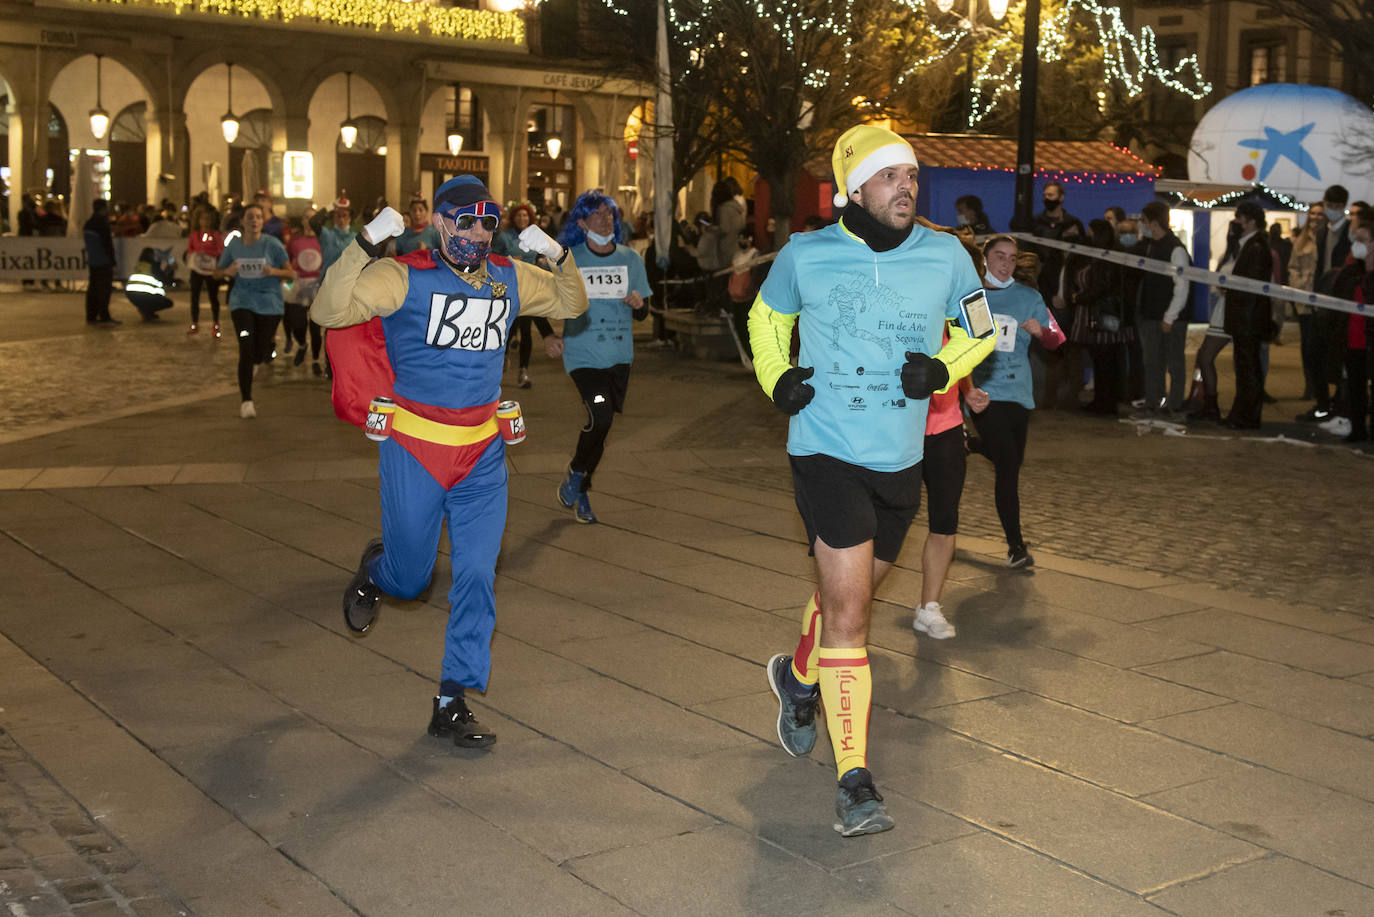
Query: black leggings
(257, 335)
(297, 320)
(1002, 429)
(522, 328)
(211, 286)
(603, 395)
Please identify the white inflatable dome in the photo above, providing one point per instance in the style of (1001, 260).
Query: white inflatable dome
(1295, 139)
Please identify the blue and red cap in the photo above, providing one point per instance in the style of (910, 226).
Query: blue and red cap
(465, 194)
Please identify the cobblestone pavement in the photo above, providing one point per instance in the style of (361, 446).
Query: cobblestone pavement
(55, 859)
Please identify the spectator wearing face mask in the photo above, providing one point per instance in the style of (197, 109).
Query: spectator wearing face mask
(1160, 323)
(970, 214)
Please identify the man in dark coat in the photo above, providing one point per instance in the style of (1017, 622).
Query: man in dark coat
(1249, 317)
(100, 261)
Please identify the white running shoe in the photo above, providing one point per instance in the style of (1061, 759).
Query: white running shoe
(1336, 426)
(246, 410)
(930, 620)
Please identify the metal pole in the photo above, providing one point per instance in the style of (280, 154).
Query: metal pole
(1025, 135)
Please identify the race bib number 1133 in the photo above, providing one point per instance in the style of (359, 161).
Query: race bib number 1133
(606, 282)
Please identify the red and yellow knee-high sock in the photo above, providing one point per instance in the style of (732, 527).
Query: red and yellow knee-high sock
(808, 647)
(847, 693)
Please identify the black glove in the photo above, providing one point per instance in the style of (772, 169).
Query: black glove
(791, 394)
(923, 375)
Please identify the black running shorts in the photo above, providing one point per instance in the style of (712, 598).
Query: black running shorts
(845, 505)
(943, 469)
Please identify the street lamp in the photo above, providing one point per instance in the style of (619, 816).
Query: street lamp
(100, 118)
(554, 145)
(455, 142)
(348, 131)
(228, 123)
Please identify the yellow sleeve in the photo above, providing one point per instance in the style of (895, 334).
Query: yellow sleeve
(962, 353)
(770, 335)
(351, 295)
(555, 293)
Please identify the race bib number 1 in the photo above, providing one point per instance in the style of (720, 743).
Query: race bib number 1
(606, 282)
(1006, 333)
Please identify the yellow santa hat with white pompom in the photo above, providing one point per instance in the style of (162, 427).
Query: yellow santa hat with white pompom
(862, 152)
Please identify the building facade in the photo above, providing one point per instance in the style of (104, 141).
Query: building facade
(406, 76)
(1238, 45)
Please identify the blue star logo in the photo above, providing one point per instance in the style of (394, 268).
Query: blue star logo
(1277, 144)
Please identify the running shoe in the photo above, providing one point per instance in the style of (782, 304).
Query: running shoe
(455, 719)
(360, 598)
(930, 620)
(1020, 557)
(247, 411)
(583, 510)
(193, 329)
(571, 488)
(796, 722)
(315, 369)
(217, 332)
(859, 806)
(300, 356)
(1336, 426)
(523, 380)
(1312, 416)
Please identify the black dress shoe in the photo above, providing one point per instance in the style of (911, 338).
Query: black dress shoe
(455, 719)
(360, 598)
(1237, 424)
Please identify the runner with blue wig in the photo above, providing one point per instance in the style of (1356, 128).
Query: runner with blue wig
(598, 346)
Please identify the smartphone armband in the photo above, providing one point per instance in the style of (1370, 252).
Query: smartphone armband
(975, 316)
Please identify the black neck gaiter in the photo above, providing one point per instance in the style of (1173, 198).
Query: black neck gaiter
(876, 236)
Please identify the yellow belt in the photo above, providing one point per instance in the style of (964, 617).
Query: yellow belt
(444, 434)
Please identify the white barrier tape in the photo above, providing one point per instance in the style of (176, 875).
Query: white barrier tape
(761, 259)
(1200, 275)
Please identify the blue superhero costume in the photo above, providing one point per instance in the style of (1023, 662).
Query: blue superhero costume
(434, 339)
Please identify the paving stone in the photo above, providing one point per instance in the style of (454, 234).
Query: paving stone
(83, 891)
(979, 874)
(99, 909)
(560, 803)
(1333, 759)
(1303, 649)
(748, 876)
(1321, 827)
(1113, 692)
(1101, 751)
(1330, 702)
(1273, 885)
(1119, 840)
(666, 666)
(157, 907)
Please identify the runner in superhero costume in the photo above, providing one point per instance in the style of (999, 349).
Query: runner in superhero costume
(429, 330)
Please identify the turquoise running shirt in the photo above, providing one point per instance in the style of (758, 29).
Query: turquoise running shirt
(859, 312)
(1006, 374)
(602, 336)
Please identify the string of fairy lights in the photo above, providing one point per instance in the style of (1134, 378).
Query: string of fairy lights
(418, 18)
(1131, 59)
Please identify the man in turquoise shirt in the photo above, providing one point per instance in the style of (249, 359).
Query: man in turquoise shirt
(871, 296)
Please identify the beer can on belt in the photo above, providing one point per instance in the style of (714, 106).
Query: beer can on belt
(511, 422)
(379, 415)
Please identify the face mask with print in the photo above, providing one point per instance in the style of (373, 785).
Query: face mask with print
(1359, 250)
(598, 238)
(466, 253)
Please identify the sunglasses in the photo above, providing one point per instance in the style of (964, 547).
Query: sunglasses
(469, 220)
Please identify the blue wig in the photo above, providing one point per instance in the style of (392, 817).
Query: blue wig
(587, 203)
